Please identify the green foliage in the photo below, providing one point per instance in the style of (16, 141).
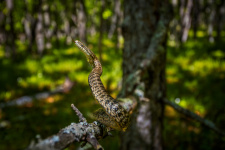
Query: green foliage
(195, 80)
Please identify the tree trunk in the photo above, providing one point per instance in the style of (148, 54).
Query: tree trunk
(211, 21)
(196, 13)
(30, 23)
(2, 26)
(115, 24)
(220, 10)
(145, 33)
(101, 30)
(39, 34)
(186, 21)
(10, 34)
(82, 21)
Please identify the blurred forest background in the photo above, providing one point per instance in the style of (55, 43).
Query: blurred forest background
(37, 56)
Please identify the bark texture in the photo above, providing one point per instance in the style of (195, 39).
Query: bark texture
(145, 32)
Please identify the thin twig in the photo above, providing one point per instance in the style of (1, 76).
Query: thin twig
(194, 116)
(64, 88)
(79, 114)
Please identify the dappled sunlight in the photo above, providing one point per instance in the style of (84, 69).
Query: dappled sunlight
(2, 53)
(50, 100)
(172, 76)
(195, 80)
(171, 43)
(109, 43)
(182, 61)
(172, 80)
(71, 51)
(170, 112)
(199, 33)
(65, 66)
(7, 95)
(22, 46)
(192, 104)
(192, 85)
(189, 103)
(80, 76)
(219, 54)
(205, 67)
(36, 81)
(31, 65)
(193, 64)
(105, 57)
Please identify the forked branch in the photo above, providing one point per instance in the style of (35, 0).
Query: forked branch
(75, 132)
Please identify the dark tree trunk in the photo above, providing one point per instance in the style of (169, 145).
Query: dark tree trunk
(101, 28)
(30, 23)
(145, 32)
(82, 21)
(115, 18)
(196, 13)
(211, 20)
(115, 24)
(220, 10)
(10, 34)
(2, 26)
